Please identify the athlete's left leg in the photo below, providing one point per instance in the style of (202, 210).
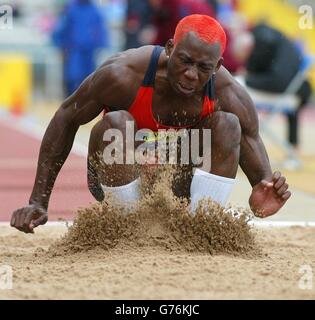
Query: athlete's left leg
(225, 150)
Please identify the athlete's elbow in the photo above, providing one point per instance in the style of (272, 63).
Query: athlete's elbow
(66, 118)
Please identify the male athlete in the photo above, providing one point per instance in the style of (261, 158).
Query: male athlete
(183, 85)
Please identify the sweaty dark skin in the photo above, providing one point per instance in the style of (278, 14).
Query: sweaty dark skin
(190, 63)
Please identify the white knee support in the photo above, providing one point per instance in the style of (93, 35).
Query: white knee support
(208, 185)
(126, 194)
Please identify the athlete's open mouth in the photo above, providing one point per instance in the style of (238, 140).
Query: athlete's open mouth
(185, 89)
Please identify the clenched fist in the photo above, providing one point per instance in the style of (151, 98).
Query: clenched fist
(27, 218)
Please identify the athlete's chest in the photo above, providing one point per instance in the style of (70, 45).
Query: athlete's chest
(171, 111)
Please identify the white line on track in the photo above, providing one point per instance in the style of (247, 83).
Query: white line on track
(281, 224)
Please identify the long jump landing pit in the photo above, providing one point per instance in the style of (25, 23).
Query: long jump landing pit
(158, 258)
(156, 273)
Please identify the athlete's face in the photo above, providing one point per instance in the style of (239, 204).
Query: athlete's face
(191, 64)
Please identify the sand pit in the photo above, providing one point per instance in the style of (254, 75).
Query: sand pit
(155, 272)
(157, 251)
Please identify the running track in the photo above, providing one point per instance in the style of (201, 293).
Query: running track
(18, 159)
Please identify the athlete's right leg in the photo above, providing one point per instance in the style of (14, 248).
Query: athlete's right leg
(100, 174)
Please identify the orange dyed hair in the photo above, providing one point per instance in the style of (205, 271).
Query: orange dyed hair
(206, 28)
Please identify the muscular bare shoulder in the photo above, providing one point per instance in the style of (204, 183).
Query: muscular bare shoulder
(117, 81)
(232, 97)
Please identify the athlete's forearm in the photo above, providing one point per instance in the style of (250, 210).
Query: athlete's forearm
(254, 159)
(253, 156)
(55, 148)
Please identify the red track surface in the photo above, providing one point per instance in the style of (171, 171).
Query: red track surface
(18, 158)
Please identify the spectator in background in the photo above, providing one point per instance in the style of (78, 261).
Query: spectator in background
(78, 33)
(188, 7)
(137, 23)
(214, 5)
(167, 13)
(165, 16)
(225, 9)
(231, 63)
(272, 61)
(234, 24)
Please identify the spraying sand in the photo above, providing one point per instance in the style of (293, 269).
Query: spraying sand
(159, 219)
(158, 251)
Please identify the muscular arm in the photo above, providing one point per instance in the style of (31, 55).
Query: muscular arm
(106, 84)
(233, 98)
(270, 190)
(115, 85)
(80, 108)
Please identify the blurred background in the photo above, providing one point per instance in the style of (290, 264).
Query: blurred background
(48, 47)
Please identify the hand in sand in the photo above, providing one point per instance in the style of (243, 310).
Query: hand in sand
(27, 218)
(269, 196)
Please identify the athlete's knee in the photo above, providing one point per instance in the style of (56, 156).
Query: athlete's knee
(227, 127)
(93, 182)
(118, 119)
(112, 120)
